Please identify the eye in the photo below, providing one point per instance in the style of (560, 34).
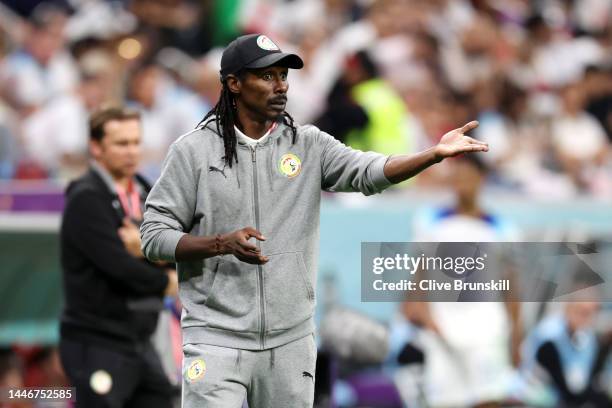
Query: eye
(267, 76)
(284, 76)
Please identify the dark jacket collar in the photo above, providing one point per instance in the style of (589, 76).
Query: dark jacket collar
(104, 179)
(99, 180)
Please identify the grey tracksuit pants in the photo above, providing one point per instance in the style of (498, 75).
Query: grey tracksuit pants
(220, 377)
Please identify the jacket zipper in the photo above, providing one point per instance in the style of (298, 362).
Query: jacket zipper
(259, 268)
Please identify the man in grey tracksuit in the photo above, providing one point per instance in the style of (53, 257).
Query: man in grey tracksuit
(248, 172)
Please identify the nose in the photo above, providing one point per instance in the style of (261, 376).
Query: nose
(134, 150)
(281, 86)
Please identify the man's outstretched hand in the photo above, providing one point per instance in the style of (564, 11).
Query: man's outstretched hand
(401, 167)
(456, 142)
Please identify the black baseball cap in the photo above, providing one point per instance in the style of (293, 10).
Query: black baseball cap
(255, 51)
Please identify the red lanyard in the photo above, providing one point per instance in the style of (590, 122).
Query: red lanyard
(271, 128)
(130, 200)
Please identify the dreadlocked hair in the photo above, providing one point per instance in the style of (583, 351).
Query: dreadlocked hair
(225, 116)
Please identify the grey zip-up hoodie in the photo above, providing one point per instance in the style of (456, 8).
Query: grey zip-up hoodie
(276, 188)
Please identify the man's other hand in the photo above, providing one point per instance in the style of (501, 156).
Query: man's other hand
(237, 243)
(172, 287)
(130, 235)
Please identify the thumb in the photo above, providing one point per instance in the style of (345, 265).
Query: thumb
(258, 235)
(469, 126)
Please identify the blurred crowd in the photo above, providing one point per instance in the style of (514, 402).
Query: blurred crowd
(386, 75)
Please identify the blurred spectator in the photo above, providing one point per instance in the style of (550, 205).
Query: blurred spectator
(42, 367)
(284, 18)
(99, 19)
(365, 111)
(174, 23)
(564, 353)
(55, 136)
(578, 139)
(598, 90)
(447, 59)
(11, 370)
(591, 16)
(473, 57)
(25, 8)
(468, 348)
(11, 375)
(206, 78)
(8, 142)
(520, 145)
(112, 294)
(167, 110)
(557, 60)
(327, 62)
(344, 115)
(42, 68)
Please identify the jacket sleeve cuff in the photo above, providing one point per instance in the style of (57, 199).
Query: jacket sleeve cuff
(377, 169)
(168, 240)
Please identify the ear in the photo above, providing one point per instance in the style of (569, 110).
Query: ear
(234, 84)
(95, 148)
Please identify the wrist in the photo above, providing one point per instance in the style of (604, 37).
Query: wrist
(437, 154)
(220, 247)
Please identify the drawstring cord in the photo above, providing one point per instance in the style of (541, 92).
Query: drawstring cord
(270, 180)
(238, 359)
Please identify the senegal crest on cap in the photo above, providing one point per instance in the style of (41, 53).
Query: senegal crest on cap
(266, 44)
(290, 165)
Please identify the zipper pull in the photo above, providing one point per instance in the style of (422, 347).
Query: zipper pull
(253, 154)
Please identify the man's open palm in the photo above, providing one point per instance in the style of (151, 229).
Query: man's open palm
(456, 142)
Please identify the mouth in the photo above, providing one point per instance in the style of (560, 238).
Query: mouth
(278, 103)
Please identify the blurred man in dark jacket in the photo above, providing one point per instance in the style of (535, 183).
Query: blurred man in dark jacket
(112, 294)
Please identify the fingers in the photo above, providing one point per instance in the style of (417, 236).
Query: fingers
(249, 233)
(247, 246)
(248, 252)
(473, 145)
(475, 141)
(239, 245)
(253, 253)
(476, 148)
(251, 258)
(253, 233)
(468, 149)
(469, 126)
